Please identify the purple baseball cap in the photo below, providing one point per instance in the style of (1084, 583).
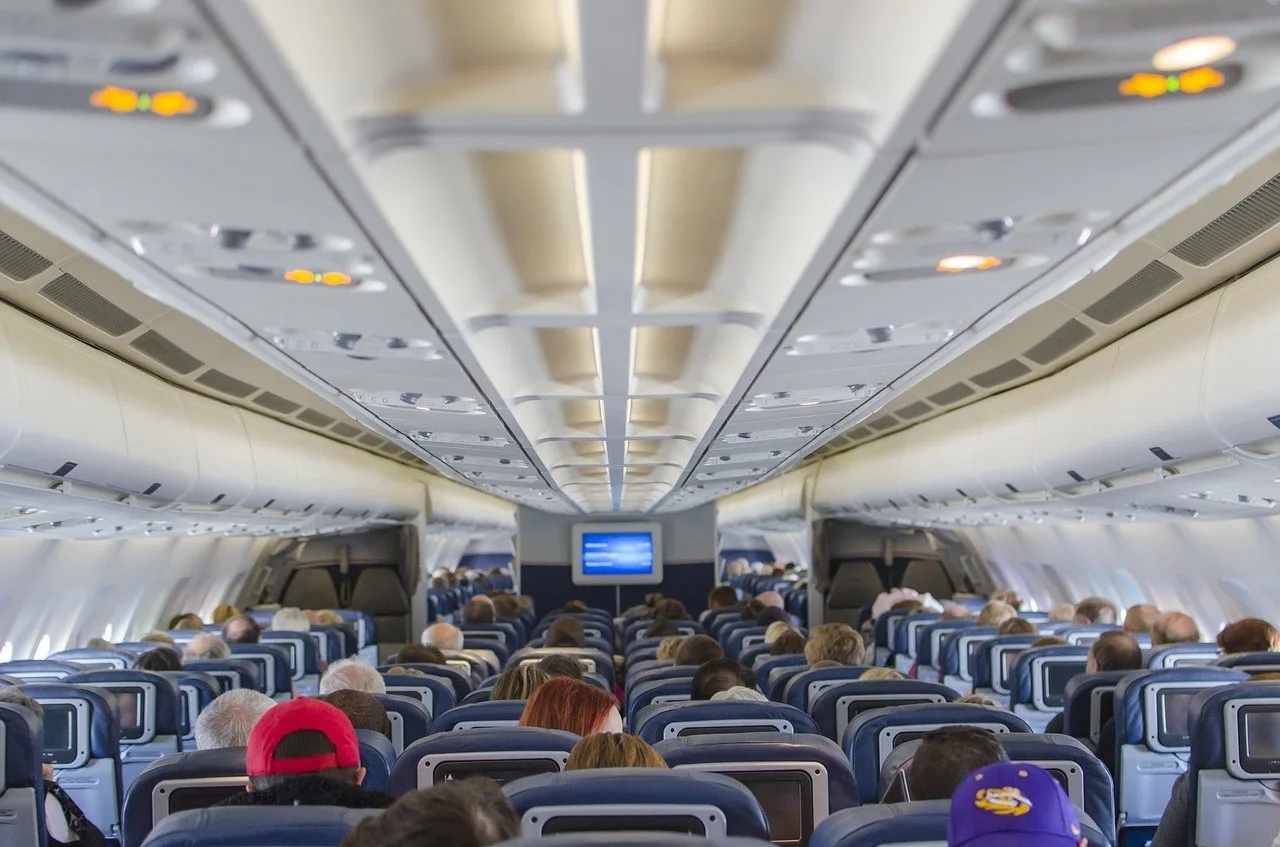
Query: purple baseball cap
(1012, 805)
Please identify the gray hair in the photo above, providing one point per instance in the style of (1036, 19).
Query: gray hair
(446, 636)
(291, 619)
(739, 692)
(352, 674)
(207, 646)
(228, 720)
(14, 697)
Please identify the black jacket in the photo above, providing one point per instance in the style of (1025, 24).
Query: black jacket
(312, 791)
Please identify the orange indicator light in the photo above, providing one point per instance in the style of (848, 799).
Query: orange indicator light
(305, 277)
(1194, 81)
(170, 103)
(335, 279)
(301, 277)
(165, 104)
(120, 100)
(1201, 79)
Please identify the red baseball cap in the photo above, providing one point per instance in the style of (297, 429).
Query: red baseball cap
(300, 715)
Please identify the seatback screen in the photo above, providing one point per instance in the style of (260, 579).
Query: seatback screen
(1259, 728)
(787, 800)
(685, 732)
(500, 772)
(59, 734)
(201, 796)
(1056, 677)
(129, 703)
(1174, 709)
(679, 824)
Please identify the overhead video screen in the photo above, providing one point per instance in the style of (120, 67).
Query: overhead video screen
(617, 554)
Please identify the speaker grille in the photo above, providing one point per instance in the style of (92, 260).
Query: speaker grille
(370, 440)
(914, 410)
(311, 417)
(1061, 341)
(954, 394)
(225, 383)
(1243, 222)
(1001, 374)
(154, 345)
(860, 433)
(345, 430)
(1137, 291)
(89, 306)
(882, 423)
(18, 261)
(276, 403)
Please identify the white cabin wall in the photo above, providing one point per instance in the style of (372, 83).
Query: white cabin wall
(1217, 571)
(72, 590)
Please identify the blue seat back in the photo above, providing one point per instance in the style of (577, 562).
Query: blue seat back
(637, 629)
(1084, 636)
(885, 633)
(654, 691)
(39, 670)
(636, 668)
(435, 694)
(920, 824)
(497, 648)
(1182, 656)
(150, 709)
(195, 692)
(478, 715)
(766, 664)
(1039, 685)
(503, 633)
(707, 717)
(749, 655)
(501, 753)
(641, 654)
(929, 640)
(191, 780)
(410, 720)
(303, 657)
(1250, 663)
(598, 644)
(230, 673)
(959, 648)
(742, 638)
(273, 661)
(670, 671)
(835, 707)
(905, 628)
(93, 659)
(592, 661)
(21, 785)
(594, 625)
(331, 642)
(1089, 704)
(457, 680)
(994, 660)
(377, 755)
(803, 688)
(286, 826)
(594, 800)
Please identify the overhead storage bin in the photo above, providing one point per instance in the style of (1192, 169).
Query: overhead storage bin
(450, 504)
(161, 451)
(1005, 451)
(1241, 394)
(776, 503)
(225, 462)
(938, 462)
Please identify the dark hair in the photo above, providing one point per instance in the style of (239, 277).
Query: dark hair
(566, 632)
(188, 621)
(722, 597)
(661, 627)
(1115, 651)
(562, 666)
(252, 630)
(671, 609)
(159, 659)
(788, 644)
(1048, 641)
(946, 756)
(505, 605)
(363, 710)
(479, 609)
(420, 654)
(575, 607)
(1097, 610)
(752, 609)
(772, 614)
(469, 813)
(303, 744)
(720, 675)
(698, 650)
(1250, 635)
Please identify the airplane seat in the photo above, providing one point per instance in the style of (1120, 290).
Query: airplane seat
(1153, 740)
(460, 682)
(724, 717)
(643, 654)
(303, 659)
(803, 688)
(774, 685)
(637, 629)
(749, 655)
(993, 662)
(479, 715)
(642, 643)
(742, 638)
(229, 673)
(331, 642)
(1182, 655)
(1039, 683)
(150, 707)
(21, 783)
(366, 628)
(633, 839)
(522, 631)
(377, 755)
(728, 630)
(955, 663)
(503, 754)
(281, 826)
(885, 631)
(668, 671)
(195, 692)
(872, 735)
(798, 780)
(1085, 636)
(929, 641)
(480, 695)
(592, 661)
(93, 659)
(766, 664)
(1088, 704)
(40, 670)
(194, 779)
(501, 632)
(1233, 771)
(273, 661)
(654, 691)
(81, 740)
(927, 576)
(1250, 663)
(904, 640)
(502, 651)
(718, 618)
(922, 823)
(629, 799)
(589, 643)
(410, 720)
(9, 680)
(378, 591)
(835, 707)
(636, 668)
(594, 624)
(436, 694)
(854, 585)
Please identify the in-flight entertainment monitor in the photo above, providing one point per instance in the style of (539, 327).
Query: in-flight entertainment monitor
(617, 554)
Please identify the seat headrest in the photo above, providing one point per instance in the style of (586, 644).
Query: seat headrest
(1207, 720)
(283, 682)
(137, 818)
(91, 657)
(1078, 699)
(460, 682)
(885, 623)
(1179, 655)
(22, 743)
(104, 720)
(666, 720)
(768, 747)
(634, 787)
(668, 670)
(925, 637)
(247, 672)
(24, 668)
(310, 657)
(949, 661)
(603, 662)
(443, 696)
(1022, 685)
(1250, 662)
(1095, 779)
(766, 664)
(498, 740)
(800, 689)
(826, 709)
(377, 755)
(285, 826)
(472, 714)
(906, 625)
(644, 694)
(924, 821)
(168, 706)
(1130, 718)
(1086, 634)
(981, 665)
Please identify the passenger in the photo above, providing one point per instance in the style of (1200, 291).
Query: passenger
(328, 617)
(667, 648)
(305, 753)
(241, 629)
(223, 613)
(353, 674)
(910, 605)
(519, 682)
(672, 610)
(613, 750)
(228, 720)
(565, 666)
(1017, 626)
(566, 632)
(1175, 628)
(751, 609)
(660, 628)
(739, 692)
(420, 654)
(290, 619)
(956, 612)
(99, 644)
(720, 675)
(1141, 618)
(479, 609)
(824, 664)
(443, 635)
(881, 675)
(645, 610)
(65, 823)
(722, 597)
(1008, 595)
(158, 638)
(404, 670)
(697, 650)
(775, 630)
(1012, 803)
(1063, 612)
(979, 700)
(573, 706)
(946, 756)
(1096, 610)
(790, 643)
(1114, 651)
(526, 604)
(363, 710)
(772, 615)
(187, 621)
(159, 659)
(1250, 635)
(576, 607)
(1048, 641)
(836, 642)
(468, 813)
(771, 600)
(206, 646)
(996, 613)
(736, 568)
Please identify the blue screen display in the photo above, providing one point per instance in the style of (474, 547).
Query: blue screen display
(617, 553)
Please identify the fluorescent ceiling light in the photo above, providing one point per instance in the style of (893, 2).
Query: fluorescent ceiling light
(1193, 52)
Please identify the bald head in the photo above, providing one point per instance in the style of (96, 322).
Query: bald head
(206, 646)
(1175, 628)
(1141, 618)
(770, 599)
(445, 636)
(955, 612)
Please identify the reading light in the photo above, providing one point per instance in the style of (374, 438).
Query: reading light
(123, 101)
(1191, 52)
(959, 264)
(1193, 81)
(306, 277)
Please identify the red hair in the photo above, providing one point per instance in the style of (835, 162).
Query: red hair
(568, 704)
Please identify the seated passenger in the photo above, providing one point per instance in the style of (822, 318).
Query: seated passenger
(1048, 641)
(1008, 595)
(1017, 626)
(1063, 612)
(720, 675)
(566, 632)
(158, 638)
(910, 605)
(671, 609)
(946, 756)
(99, 644)
(573, 706)
(363, 710)
(519, 682)
(228, 720)
(668, 646)
(353, 674)
(697, 650)
(834, 642)
(613, 750)
(772, 615)
(739, 692)
(305, 753)
(188, 621)
(751, 609)
(721, 597)
(660, 628)
(575, 607)
(479, 609)
(1250, 635)
(881, 675)
(771, 600)
(159, 659)
(290, 619)
(956, 612)
(565, 666)
(420, 654)
(445, 636)
(223, 613)
(790, 643)
(241, 629)
(979, 700)
(1113, 651)
(404, 670)
(775, 630)
(507, 606)
(469, 813)
(206, 646)
(996, 613)
(64, 822)
(1096, 610)
(1141, 618)
(1012, 803)
(1175, 628)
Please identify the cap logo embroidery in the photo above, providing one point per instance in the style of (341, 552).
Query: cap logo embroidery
(1002, 801)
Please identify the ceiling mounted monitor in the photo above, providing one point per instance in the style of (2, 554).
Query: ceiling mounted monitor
(617, 554)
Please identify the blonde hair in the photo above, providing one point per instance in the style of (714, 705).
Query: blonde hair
(158, 638)
(877, 674)
(667, 647)
(775, 631)
(224, 613)
(613, 750)
(836, 642)
(995, 613)
(328, 617)
(978, 700)
(519, 682)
